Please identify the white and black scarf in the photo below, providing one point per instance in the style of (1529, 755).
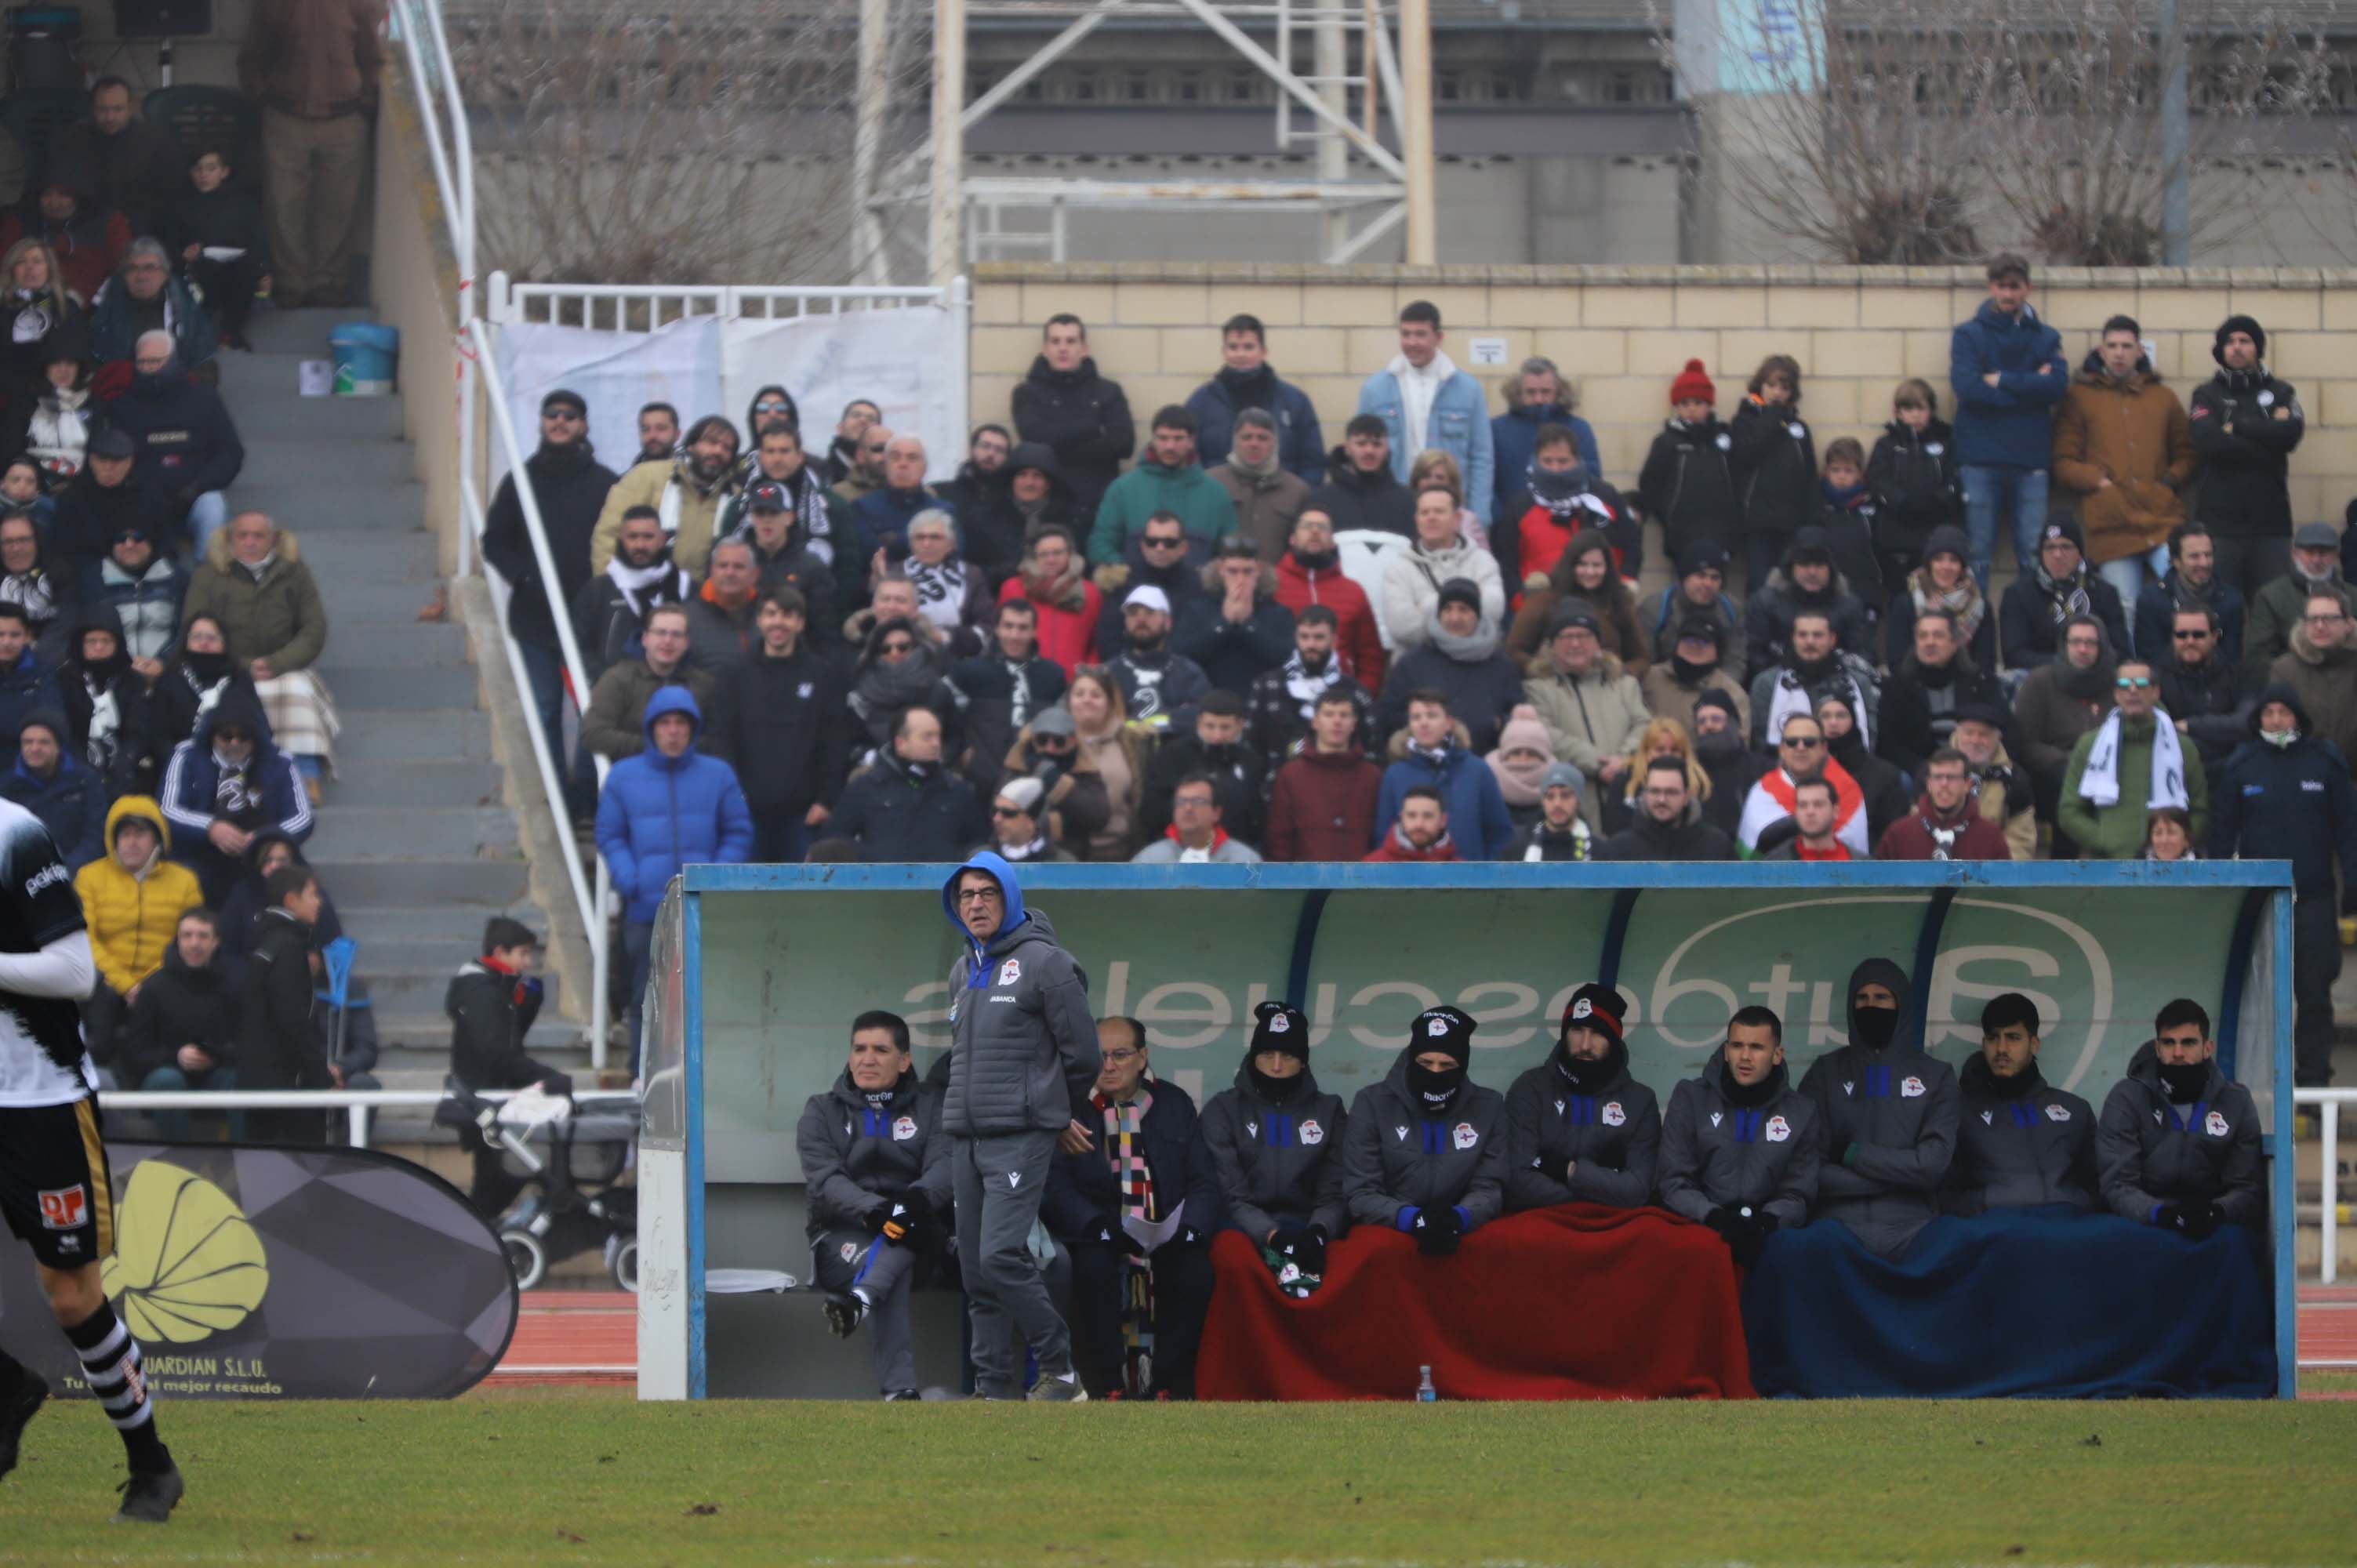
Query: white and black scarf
(644, 588)
(235, 793)
(940, 590)
(1306, 688)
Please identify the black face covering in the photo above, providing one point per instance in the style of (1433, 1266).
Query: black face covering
(1689, 673)
(1275, 1090)
(1434, 1089)
(1745, 1096)
(1585, 1077)
(2186, 1081)
(1874, 1028)
(207, 667)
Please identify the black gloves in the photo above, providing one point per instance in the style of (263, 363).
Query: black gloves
(907, 1224)
(2200, 1218)
(1305, 1248)
(875, 1218)
(1750, 1234)
(1437, 1231)
(1724, 1220)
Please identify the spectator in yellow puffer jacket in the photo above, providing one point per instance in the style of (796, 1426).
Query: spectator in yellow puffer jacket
(132, 898)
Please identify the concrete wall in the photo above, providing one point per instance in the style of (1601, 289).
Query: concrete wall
(1622, 332)
(414, 279)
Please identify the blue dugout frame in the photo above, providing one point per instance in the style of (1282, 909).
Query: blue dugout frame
(2268, 883)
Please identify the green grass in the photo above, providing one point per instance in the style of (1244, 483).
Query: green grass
(597, 1479)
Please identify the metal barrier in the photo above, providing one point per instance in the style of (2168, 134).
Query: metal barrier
(358, 1103)
(2327, 1105)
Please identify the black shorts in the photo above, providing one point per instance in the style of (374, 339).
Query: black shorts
(54, 1186)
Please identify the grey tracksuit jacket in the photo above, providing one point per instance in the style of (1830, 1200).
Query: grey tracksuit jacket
(2035, 1145)
(1615, 1133)
(1277, 1164)
(1716, 1153)
(1397, 1159)
(2152, 1151)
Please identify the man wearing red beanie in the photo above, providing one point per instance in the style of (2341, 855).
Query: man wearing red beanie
(1686, 485)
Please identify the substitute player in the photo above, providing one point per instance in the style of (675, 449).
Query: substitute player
(54, 1184)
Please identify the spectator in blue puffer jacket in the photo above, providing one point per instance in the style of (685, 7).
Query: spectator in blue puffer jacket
(668, 807)
(68, 797)
(2008, 371)
(1246, 380)
(1538, 397)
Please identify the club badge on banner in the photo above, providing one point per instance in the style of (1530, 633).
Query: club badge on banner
(895, 359)
(285, 1274)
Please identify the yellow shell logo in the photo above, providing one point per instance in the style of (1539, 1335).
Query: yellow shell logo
(186, 1264)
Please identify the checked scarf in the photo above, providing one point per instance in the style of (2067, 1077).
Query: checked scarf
(1125, 1144)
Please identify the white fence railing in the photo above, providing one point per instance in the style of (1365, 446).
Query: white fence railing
(2327, 1105)
(356, 1102)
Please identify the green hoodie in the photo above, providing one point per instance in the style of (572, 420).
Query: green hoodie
(2117, 831)
(1204, 508)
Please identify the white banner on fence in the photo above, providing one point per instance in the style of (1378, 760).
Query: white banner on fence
(898, 359)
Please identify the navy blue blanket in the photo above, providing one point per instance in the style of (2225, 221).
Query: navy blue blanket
(2037, 1302)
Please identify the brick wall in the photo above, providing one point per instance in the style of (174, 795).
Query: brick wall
(1620, 333)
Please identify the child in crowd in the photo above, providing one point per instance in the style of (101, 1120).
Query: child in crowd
(1847, 513)
(214, 233)
(1913, 475)
(1775, 466)
(1688, 482)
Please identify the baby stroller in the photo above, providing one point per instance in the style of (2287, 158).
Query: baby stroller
(571, 1159)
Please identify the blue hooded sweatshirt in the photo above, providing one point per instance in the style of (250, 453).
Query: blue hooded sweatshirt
(1023, 1042)
(659, 814)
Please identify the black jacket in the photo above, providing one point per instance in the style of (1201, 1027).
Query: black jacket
(782, 724)
(1690, 838)
(2029, 634)
(1397, 1160)
(1688, 484)
(858, 1155)
(2244, 426)
(794, 564)
(2152, 1151)
(607, 625)
(1897, 1106)
(1917, 714)
(1234, 653)
(1237, 776)
(2212, 700)
(489, 1014)
(1083, 1193)
(1480, 693)
(90, 514)
(893, 816)
(1886, 799)
(570, 486)
(1716, 1153)
(276, 1046)
(1775, 460)
(1916, 478)
(1354, 499)
(2020, 1143)
(1276, 723)
(995, 698)
(1614, 1131)
(1279, 1162)
(2295, 804)
(1084, 419)
(1768, 619)
(182, 1006)
(1854, 534)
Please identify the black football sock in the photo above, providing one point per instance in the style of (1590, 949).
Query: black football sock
(111, 1362)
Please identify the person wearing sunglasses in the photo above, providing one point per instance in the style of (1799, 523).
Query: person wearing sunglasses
(1018, 826)
(2206, 692)
(1800, 758)
(2134, 761)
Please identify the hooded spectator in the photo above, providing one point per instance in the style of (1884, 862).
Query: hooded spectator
(1918, 485)
(1583, 574)
(69, 799)
(142, 296)
(1934, 681)
(1946, 823)
(224, 786)
(687, 491)
(1804, 580)
(1688, 483)
(131, 897)
(1722, 765)
(2285, 794)
(80, 238)
(1360, 491)
(1432, 750)
(2058, 587)
(663, 808)
(568, 485)
(2246, 423)
(773, 408)
(1699, 591)
(2191, 583)
(1945, 581)
(2122, 446)
(1027, 494)
(1068, 605)
(1310, 573)
(781, 720)
(249, 895)
(1878, 783)
(999, 690)
(186, 445)
(1321, 804)
(1440, 553)
(1247, 383)
(907, 805)
(107, 726)
(143, 587)
(212, 226)
(1083, 418)
(1267, 497)
(1236, 630)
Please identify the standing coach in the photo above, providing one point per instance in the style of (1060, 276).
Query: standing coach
(1023, 1061)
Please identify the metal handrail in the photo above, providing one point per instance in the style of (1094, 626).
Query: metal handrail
(2328, 1103)
(358, 1102)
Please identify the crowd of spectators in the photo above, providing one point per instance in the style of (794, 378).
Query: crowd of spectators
(1056, 656)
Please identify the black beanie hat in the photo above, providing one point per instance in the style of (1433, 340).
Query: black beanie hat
(1280, 1026)
(2008, 1008)
(1594, 1005)
(2234, 323)
(563, 398)
(1443, 1028)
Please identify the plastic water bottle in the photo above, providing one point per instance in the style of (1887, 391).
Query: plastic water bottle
(1424, 1392)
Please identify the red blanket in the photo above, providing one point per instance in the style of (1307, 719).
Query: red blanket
(1575, 1302)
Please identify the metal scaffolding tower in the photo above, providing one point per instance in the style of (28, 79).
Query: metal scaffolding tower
(1391, 85)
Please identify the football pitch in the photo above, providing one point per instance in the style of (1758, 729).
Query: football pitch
(590, 1475)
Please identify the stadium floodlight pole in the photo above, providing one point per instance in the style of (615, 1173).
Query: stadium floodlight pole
(945, 249)
(1415, 130)
(869, 264)
(2177, 192)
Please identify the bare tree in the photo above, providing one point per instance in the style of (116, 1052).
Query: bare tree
(710, 145)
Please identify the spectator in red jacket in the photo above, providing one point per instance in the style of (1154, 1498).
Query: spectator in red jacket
(1422, 832)
(1946, 824)
(1310, 573)
(1055, 583)
(1322, 806)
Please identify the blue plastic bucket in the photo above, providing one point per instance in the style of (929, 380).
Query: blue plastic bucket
(365, 354)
